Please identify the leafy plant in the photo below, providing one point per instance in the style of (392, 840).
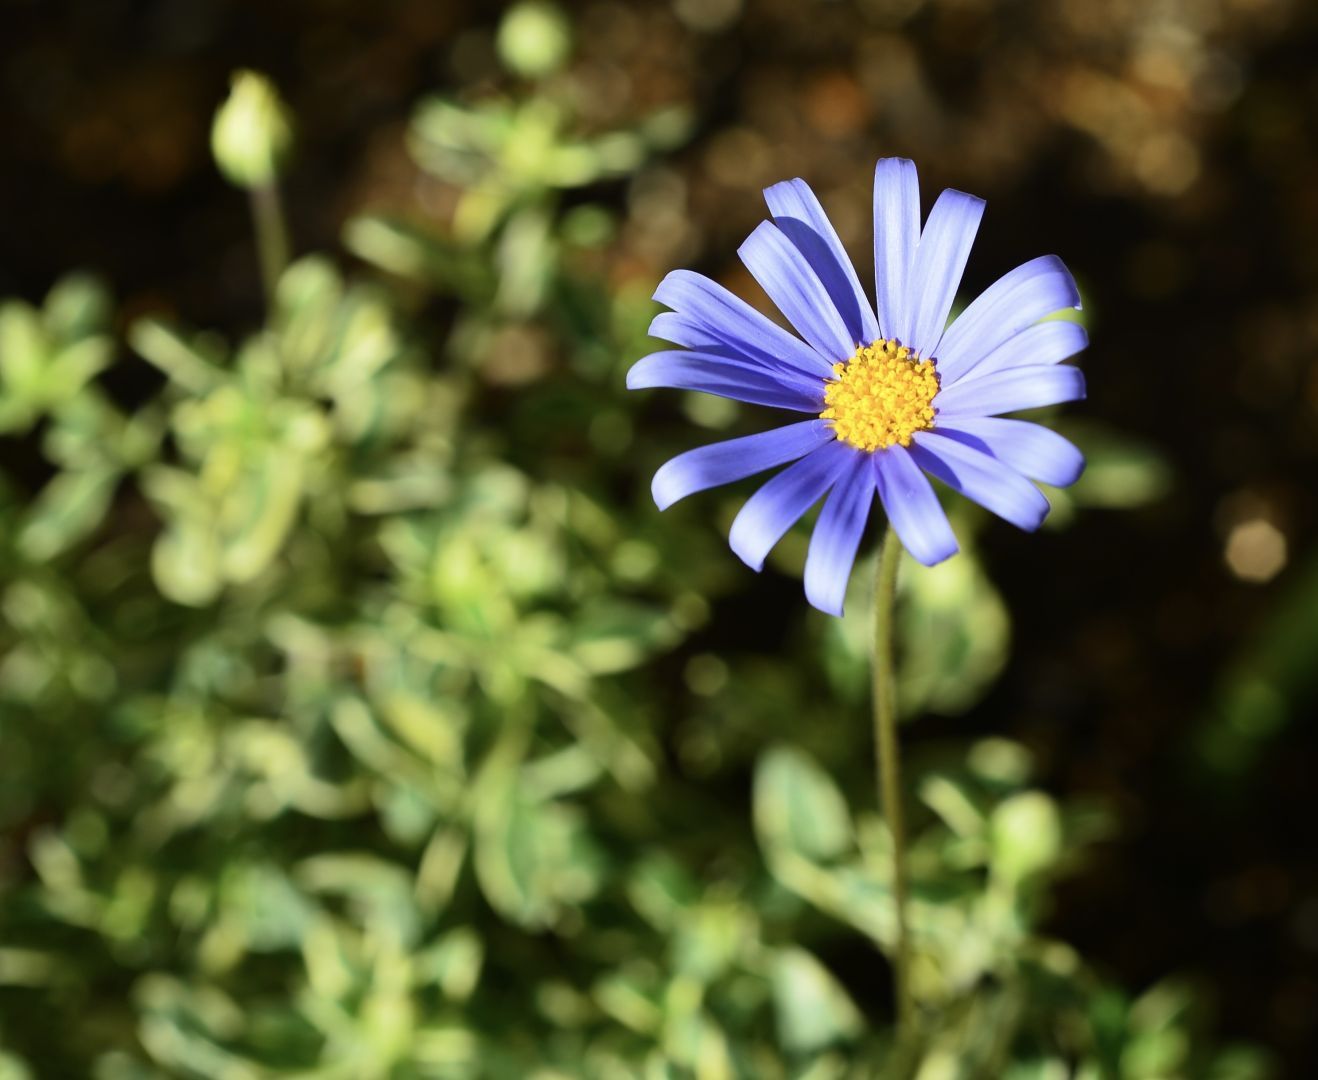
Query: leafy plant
(358, 723)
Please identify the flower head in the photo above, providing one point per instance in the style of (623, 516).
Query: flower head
(896, 394)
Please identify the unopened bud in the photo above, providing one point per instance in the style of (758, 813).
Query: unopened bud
(534, 39)
(253, 132)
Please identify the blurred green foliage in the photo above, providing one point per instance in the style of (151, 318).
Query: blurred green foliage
(343, 732)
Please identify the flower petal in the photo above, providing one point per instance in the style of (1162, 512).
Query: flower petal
(1044, 343)
(797, 212)
(1011, 390)
(728, 318)
(833, 545)
(1031, 449)
(740, 380)
(912, 507)
(683, 330)
(680, 330)
(980, 478)
(779, 504)
(1037, 288)
(735, 459)
(896, 234)
(795, 288)
(940, 260)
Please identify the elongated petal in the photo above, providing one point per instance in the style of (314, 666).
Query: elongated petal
(797, 212)
(1037, 288)
(1012, 390)
(912, 507)
(731, 359)
(681, 330)
(779, 504)
(795, 288)
(940, 260)
(836, 538)
(735, 459)
(1031, 449)
(896, 234)
(724, 376)
(981, 478)
(1044, 343)
(728, 318)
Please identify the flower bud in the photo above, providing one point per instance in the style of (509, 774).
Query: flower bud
(253, 132)
(534, 39)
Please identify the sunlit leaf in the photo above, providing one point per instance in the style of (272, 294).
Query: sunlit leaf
(799, 807)
(812, 1008)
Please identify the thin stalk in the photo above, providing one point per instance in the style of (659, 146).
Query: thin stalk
(272, 243)
(888, 769)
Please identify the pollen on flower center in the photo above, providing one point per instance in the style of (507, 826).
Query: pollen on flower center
(881, 396)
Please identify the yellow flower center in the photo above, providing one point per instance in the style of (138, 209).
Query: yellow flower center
(881, 396)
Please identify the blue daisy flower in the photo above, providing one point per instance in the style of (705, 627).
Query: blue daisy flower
(895, 395)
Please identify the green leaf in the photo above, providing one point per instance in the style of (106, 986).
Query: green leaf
(194, 364)
(1122, 471)
(68, 508)
(613, 636)
(955, 635)
(798, 807)
(453, 963)
(259, 515)
(270, 911)
(661, 890)
(77, 306)
(307, 297)
(73, 367)
(185, 562)
(379, 892)
(1027, 835)
(812, 1009)
(25, 349)
(185, 559)
(14, 1068)
(533, 858)
(709, 937)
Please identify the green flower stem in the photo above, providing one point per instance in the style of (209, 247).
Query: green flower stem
(272, 242)
(888, 767)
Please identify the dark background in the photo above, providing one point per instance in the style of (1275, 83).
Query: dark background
(1169, 157)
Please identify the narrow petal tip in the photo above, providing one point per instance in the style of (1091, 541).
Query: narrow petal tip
(741, 543)
(971, 202)
(1070, 471)
(1067, 279)
(666, 326)
(668, 290)
(1034, 525)
(828, 605)
(781, 186)
(661, 289)
(934, 556)
(662, 489)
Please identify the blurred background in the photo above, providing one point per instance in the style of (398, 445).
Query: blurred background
(361, 717)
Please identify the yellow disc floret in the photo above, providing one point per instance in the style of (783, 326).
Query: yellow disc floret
(881, 396)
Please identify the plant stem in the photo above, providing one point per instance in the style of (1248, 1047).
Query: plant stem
(271, 236)
(888, 768)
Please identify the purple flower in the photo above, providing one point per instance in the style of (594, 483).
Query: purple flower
(893, 397)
